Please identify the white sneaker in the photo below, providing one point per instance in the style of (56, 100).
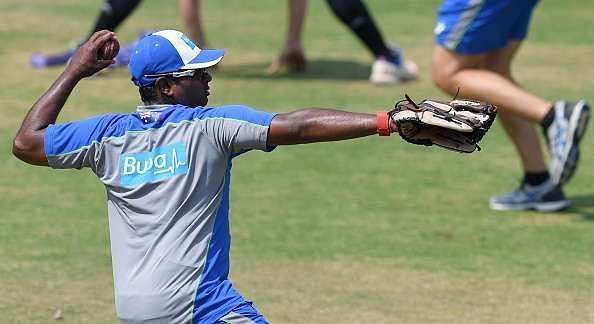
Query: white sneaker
(384, 72)
(563, 137)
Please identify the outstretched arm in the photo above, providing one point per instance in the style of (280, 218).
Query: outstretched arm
(321, 125)
(28, 144)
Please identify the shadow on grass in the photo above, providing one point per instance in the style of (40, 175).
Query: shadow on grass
(319, 69)
(582, 205)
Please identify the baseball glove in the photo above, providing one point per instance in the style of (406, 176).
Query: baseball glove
(457, 125)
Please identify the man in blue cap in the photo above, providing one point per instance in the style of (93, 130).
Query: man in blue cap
(166, 169)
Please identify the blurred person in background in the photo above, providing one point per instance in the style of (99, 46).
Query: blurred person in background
(476, 42)
(111, 15)
(389, 65)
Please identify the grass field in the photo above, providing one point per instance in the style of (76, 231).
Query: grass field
(364, 231)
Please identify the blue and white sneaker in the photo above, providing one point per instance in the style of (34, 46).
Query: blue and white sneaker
(563, 137)
(546, 197)
(42, 60)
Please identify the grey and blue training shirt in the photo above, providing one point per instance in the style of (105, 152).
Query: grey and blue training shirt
(166, 170)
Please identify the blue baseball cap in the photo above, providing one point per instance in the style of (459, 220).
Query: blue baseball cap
(168, 51)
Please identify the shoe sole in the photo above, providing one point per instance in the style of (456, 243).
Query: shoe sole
(578, 122)
(540, 206)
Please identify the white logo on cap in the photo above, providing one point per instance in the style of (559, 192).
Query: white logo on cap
(185, 51)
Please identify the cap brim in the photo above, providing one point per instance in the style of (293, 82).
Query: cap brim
(206, 58)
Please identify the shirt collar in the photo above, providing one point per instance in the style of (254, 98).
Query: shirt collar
(152, 107)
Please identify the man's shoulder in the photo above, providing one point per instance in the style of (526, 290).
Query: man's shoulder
(74, 135)
(236, 112)
(224, 109)
(96, 122)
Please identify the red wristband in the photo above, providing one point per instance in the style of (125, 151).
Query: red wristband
(383, 123)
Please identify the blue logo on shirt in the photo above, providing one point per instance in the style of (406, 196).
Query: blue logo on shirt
(161, 163)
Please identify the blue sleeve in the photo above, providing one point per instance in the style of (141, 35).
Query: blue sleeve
(75, 144)
(236, 128)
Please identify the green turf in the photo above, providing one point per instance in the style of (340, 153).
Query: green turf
(363, 231)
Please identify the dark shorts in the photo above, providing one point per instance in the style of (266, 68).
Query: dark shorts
(482, 26)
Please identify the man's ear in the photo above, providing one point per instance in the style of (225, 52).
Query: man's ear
(164, 87)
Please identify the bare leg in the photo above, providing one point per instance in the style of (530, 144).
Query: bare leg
(519, 129)
(292, 55)
(525, 139)
(190, 13)
(488, 77)
(452, 71)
